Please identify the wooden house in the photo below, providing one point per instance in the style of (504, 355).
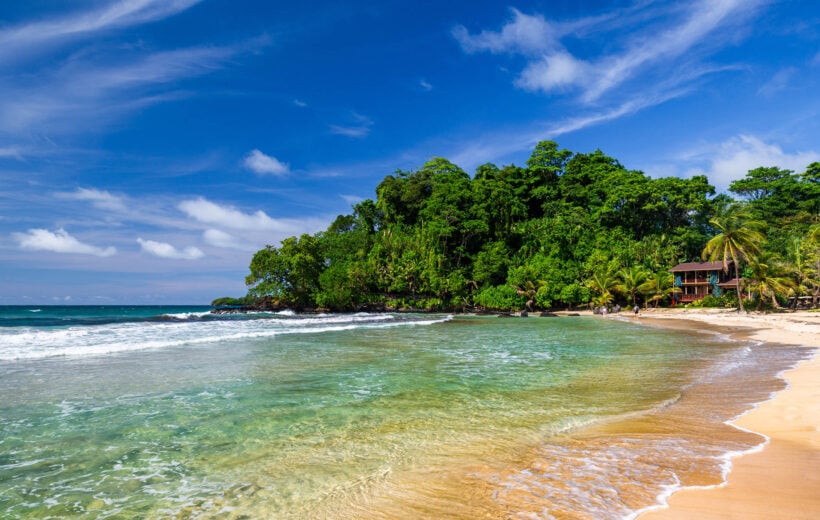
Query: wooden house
(699, 279)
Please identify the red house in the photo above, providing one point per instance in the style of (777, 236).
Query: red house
(699, 279)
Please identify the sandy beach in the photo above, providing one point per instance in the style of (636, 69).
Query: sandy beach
(781, 481)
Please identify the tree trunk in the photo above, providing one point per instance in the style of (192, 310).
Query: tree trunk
(739, 295)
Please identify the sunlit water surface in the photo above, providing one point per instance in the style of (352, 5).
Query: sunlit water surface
(172, 412)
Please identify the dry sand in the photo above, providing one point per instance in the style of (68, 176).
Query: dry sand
(783, 480)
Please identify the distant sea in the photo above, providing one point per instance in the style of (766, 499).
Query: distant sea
(174, 412)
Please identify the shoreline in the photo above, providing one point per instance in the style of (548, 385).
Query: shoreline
(780, 478)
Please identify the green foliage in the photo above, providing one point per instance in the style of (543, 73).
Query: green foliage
(710, 301)
(739, 239)
(565, 230)
(500, 298)
(229, 301)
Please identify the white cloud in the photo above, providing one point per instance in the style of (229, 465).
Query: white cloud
(553, 72)
(706, 22)
(777, 83)
(59, 242)
(733, 158)
(425, 85)
(218, 238)
(229, 228)
(165, 250)
(676, 38)
(358, 127)
(209, 212)
(11, 151)
(299, 103)
(25, 38)
(352, 199)
(524, 34)
(99, 199)
(262, 164)
(84, 93)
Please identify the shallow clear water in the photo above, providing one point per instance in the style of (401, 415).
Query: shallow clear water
(155, 413)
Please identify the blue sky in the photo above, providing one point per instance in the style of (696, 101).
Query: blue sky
(149, 147)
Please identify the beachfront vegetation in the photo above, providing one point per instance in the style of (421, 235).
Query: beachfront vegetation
(568, 229)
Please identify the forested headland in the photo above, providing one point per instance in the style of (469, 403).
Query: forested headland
(568, 229)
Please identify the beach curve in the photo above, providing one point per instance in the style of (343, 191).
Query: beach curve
(781, 480)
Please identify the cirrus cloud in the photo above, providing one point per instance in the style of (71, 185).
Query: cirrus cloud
(100, 199)
(59, 241)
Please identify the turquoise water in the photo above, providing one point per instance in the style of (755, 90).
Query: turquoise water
(173, 412)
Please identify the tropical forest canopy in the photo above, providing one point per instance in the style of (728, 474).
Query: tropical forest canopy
(566, 229)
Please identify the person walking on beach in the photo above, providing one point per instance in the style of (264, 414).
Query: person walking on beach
(637, 310)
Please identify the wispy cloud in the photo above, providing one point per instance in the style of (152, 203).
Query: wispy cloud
(491, 147)
(263, 164)
(59, 241)
(425, 85)
(12, 152)
(649, 53)
(165, 250)
(82, 85)
(352, 199)
(87, 91)
(358, 127)
(660, 40)
(219, 238)
(779, 82)
(527, 34)
(17, 41)
(99, 199)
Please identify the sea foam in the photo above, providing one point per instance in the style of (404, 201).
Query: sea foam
(17, 343)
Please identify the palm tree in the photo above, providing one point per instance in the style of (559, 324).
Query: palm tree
(739, 241)
(529, 289)
(603, 284)
(768, 279)
(813, 264)
(657, 287)
(799, 265)
(630, 280)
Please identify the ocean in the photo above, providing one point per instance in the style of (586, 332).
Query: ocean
(174, 412)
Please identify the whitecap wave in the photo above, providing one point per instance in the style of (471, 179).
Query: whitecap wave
(18, 343)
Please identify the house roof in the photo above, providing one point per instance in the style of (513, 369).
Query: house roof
(730, 284)
(698, 266)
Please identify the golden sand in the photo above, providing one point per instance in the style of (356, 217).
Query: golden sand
(783, 480)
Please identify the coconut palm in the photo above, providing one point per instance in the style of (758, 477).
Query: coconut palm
(739, 241)
(529, 289)
(657, 287)
(800, 267)
(769, 279)
(603, 283)
(630, 280)
(810, 264)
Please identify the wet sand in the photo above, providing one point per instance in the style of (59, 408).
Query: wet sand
(782, 481)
